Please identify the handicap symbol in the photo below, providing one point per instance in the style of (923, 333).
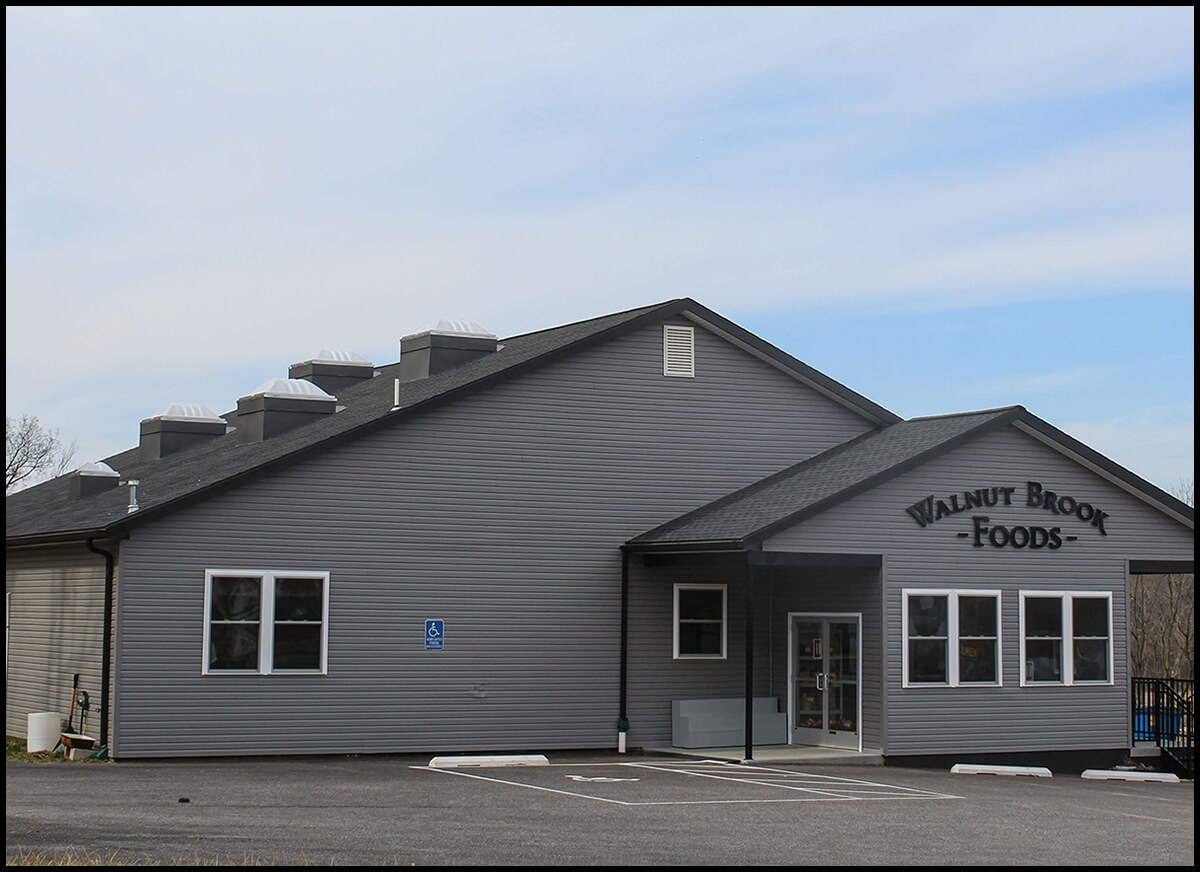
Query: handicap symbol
(434, 631)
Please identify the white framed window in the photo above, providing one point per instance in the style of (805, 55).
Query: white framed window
(260, 622)
(951, 638)
(1066, 638)
(701, 612)
(679, 351)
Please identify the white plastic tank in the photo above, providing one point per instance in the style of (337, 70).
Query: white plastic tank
(44, 731)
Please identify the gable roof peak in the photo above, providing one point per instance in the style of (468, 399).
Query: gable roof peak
(230, 459)
(996, 410)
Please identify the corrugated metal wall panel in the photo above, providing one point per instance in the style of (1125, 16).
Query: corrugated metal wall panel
(55, 630)
(1010, 718)
(501, 514)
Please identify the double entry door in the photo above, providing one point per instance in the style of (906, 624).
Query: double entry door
(824, 679)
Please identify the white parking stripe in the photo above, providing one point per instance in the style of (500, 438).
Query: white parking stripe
(696, 773)
(520, 784)
(751, 775)
(814, 788)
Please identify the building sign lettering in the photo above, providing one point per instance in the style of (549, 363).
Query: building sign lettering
(1036, 496)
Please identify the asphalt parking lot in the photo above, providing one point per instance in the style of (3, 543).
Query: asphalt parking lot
(585, 809)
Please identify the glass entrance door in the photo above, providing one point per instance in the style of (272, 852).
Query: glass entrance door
(825, 679)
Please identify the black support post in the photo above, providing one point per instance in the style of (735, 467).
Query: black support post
(623, 716)
(749, 588)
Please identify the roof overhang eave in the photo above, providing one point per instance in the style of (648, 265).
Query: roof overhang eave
(64, 537)
(695, 547)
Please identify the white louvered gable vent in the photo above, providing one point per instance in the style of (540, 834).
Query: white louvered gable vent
(679, 351)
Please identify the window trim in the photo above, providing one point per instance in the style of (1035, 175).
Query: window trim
(724, 588)
(266, 620)
(1066, 598)
(952, 636)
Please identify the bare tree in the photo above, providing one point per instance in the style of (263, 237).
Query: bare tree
(1162, 618)
(32, 453)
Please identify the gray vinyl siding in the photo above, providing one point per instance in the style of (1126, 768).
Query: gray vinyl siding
(501, 514)
(943, 720)
(55, 630)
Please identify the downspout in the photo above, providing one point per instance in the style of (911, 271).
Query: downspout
(623, 715)
(106, 657)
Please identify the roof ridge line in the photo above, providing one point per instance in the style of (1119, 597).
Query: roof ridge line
(967, 414)
(639, 309)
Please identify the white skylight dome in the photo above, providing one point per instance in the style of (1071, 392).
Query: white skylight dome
(454, 327)
(342, 358)
(189, 412)
(290, 388)
(98, 468)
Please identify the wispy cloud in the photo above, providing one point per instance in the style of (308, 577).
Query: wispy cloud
(1050, 381)
(189, 187)
(1157, 443)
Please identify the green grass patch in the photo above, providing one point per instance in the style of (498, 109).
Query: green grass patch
(14, 752)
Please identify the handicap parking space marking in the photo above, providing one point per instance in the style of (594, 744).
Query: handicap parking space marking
(462, 774)
(827, 787)
(740, 777)
(802, 786)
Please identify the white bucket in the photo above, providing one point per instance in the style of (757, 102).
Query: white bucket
(44, 730)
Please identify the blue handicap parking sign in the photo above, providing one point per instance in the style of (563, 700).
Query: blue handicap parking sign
(435, 632)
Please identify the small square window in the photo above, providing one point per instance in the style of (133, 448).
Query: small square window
(700, 621)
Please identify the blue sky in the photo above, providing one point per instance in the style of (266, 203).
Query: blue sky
(945, 209)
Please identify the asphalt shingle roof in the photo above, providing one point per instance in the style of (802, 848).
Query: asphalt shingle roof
(816, 484)
(47, 512)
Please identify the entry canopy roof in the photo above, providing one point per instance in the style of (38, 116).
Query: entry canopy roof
(745, 517)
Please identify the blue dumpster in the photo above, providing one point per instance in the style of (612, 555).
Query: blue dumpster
(1144, 723)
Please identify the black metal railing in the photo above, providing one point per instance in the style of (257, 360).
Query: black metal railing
(1163, 713)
